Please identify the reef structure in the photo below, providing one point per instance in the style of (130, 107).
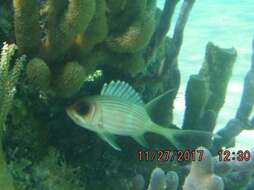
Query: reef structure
(62, 37)
(8, 80)
(66, 42)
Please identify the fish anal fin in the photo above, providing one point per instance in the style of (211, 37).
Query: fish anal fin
(141, 140)
(110, 139)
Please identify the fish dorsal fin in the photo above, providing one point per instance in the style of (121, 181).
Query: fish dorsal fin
(123, 90)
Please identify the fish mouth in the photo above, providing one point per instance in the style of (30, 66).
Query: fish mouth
(72, 114)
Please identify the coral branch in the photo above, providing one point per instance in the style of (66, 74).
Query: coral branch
(247, 100)
(176, 42)
(162, 28)
(27, 28)
(97, 29)
(8, 80)
(195, 99)
(202, 175)
(235, 126)
(74, 21)
(217, 70)
(136, 38)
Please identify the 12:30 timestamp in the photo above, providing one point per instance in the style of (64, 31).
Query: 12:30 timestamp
(240, 155)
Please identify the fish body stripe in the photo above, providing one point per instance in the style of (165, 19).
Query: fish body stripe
(120, 117)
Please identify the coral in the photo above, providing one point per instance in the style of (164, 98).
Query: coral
(130, 63)
(202, 175)
(54, 174)
(51, 173)
(97, 29)
(5, 21)
(195, 99)
(123, 13)
(46, 36)
(27, 26)
(172, 180)
(74, 47)
(70, 79)
(8, 81)
(6, 180)
(74, 21)
(157, 180)
(135, 38)
(217, 68)
(38, 73)
(242, 120)
(138, 182)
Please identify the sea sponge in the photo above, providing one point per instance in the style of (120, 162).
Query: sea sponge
(38, 73)
(69, 80)
(75, 20)
(196, 97)
(116, 6)
(135, 38)
(97, 29)
(123, 13)
(132, 63)
(27, 28)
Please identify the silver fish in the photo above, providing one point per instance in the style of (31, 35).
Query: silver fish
(119, 110)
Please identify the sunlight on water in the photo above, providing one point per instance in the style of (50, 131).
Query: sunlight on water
(227, 23)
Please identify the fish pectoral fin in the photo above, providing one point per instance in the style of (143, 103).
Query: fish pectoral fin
(110, 139)
(141, 140)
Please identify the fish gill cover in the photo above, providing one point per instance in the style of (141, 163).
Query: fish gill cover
(59, 51)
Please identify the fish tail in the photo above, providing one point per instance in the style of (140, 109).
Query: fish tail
(184, 138)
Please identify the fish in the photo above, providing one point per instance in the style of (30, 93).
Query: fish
(120, 111)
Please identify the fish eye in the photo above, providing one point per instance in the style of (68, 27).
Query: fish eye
(82, 108)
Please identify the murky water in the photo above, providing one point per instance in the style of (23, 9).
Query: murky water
(227, 23)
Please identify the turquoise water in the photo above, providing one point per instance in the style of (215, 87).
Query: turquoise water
(227, 23)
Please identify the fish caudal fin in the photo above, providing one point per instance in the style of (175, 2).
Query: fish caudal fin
(184, 138)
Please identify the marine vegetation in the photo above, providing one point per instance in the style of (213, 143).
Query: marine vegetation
(9, 75)
(73, 48)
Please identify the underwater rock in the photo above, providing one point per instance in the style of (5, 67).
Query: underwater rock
(202, 175)
(38, 73)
